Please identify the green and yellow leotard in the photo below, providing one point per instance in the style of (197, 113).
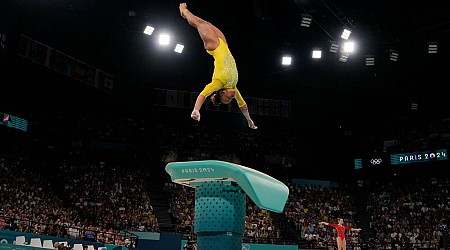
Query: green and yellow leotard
(225, 72)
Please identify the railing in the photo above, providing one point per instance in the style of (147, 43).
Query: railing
(332, 244)
(276, 237)
(116, 237)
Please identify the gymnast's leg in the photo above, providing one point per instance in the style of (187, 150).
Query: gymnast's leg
(208, 32)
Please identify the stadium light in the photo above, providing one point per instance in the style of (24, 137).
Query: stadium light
(317, 54)
(286, 60)
(432, 48)
(370, 60)
(149, 30)
(334, 47)
(164, 39)
(393, 55)
(179, 48)
(346, 34)
(306, 20)
(349, 47)
(344, 56)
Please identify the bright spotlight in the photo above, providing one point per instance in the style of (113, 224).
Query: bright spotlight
(346, 34)
(286, 60)
(349, 47)
(179, 48)
(317, 54)
(149, 30)
(164, 39)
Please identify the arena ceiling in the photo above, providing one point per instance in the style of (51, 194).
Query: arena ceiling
(109, 35)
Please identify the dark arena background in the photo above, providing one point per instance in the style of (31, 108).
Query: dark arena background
(93, 109)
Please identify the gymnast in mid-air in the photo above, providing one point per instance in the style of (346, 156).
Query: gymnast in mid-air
(222, 89)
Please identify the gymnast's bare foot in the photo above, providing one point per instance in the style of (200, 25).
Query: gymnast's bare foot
(183, 8)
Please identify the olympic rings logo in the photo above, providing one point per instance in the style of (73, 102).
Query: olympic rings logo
(376, 161)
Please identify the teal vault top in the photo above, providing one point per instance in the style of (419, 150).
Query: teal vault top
(265, 191)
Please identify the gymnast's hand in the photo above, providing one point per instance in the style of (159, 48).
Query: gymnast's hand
(251, 124)
(195, 115)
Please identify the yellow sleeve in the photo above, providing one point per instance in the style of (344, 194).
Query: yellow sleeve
(239, 99)
(211, 87)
